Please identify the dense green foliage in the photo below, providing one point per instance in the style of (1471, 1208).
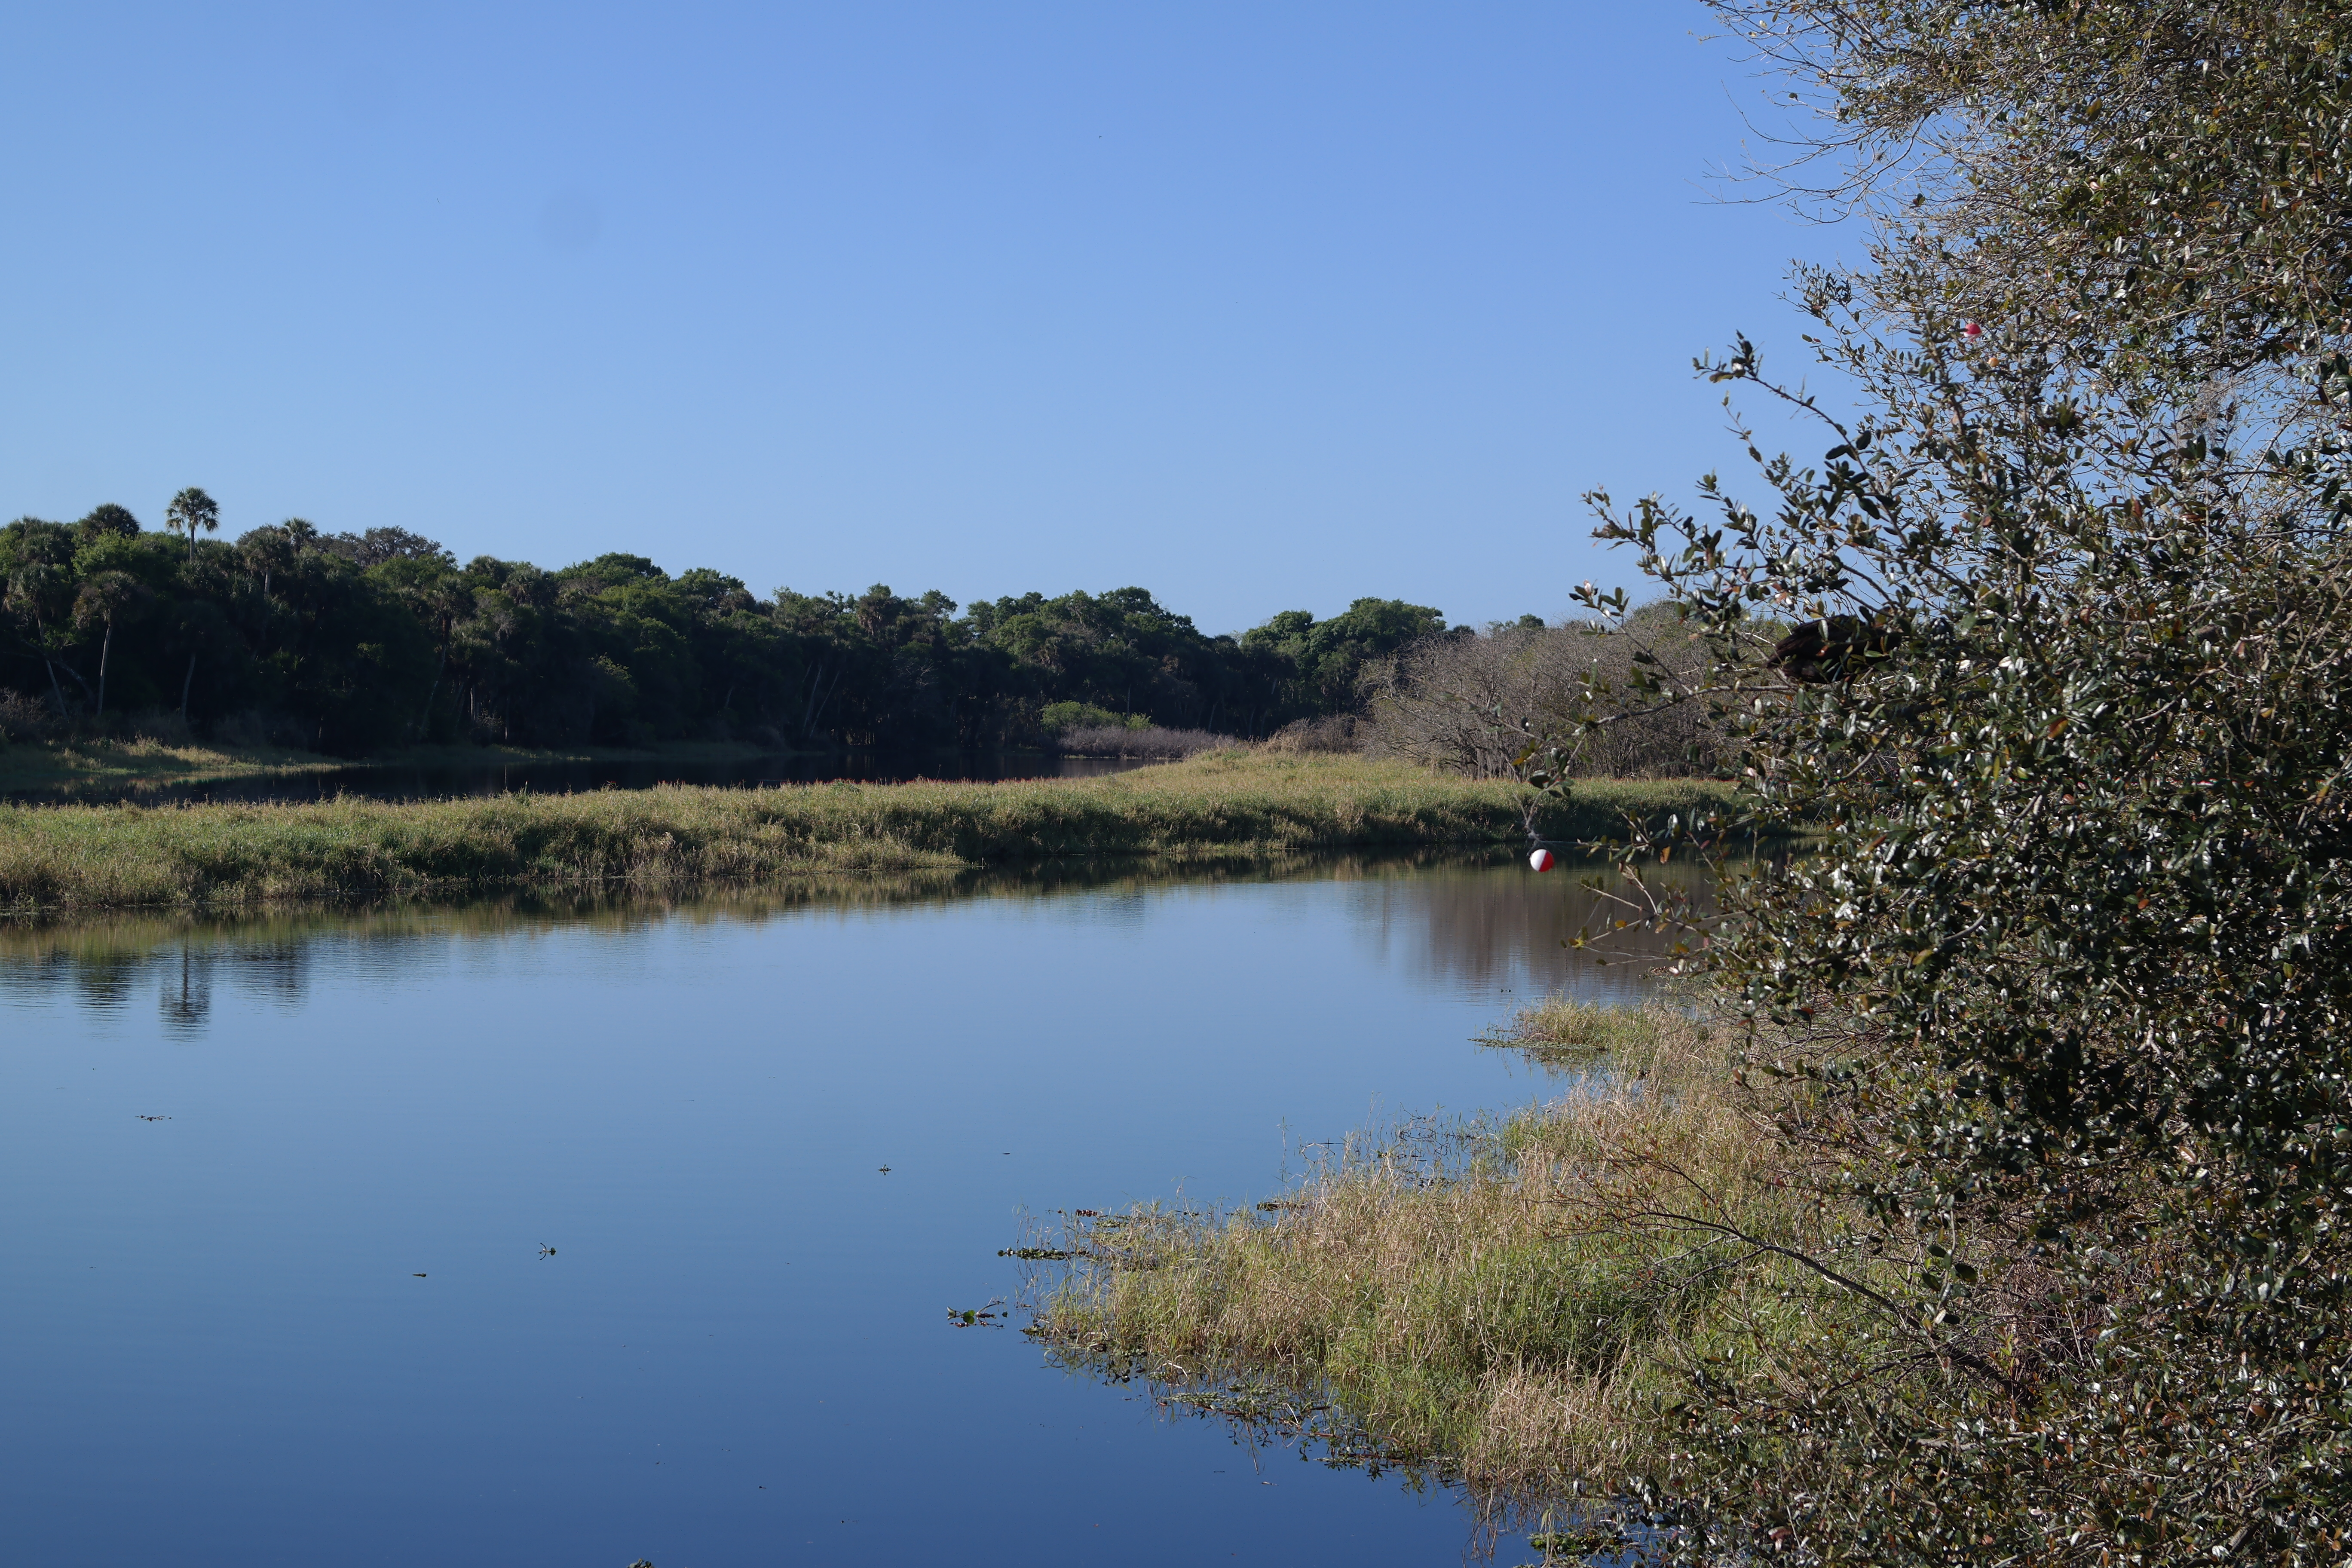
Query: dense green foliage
(2070, 979)
(356, 643)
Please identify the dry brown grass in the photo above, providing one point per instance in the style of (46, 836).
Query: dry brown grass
(1504, 1304)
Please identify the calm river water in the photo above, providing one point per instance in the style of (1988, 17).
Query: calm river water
(276, 1196)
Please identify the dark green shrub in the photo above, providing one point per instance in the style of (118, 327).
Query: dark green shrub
(2052, 645)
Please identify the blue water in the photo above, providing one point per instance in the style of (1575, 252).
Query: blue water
(216, 1347)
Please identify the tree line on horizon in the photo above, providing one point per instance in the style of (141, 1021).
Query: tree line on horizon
(355, 643)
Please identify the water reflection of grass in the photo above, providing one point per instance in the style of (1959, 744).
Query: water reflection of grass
(138, 931)
(99, 857)
(1507, 1306)
(270, 946)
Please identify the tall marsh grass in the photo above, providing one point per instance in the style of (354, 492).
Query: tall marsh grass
(76, 857)
(1154, 742)
(1510, 1305)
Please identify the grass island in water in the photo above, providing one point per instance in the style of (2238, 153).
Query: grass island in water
(66, 859)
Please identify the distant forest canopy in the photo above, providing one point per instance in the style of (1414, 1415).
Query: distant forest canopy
(355, 643)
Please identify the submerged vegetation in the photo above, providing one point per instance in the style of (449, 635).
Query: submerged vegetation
(57, 858)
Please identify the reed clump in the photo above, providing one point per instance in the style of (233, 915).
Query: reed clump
(1156, 743)
(76, 857)
(1510, 1305)
(116, 856)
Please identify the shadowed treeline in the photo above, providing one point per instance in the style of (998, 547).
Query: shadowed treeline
(353, 644)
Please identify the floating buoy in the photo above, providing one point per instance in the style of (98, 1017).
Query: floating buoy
(1542, 860)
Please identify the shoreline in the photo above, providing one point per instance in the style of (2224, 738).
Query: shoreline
(65, 859)
(66, 768)
(1504, 1307)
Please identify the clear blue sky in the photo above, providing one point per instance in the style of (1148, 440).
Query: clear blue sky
(1259, 306)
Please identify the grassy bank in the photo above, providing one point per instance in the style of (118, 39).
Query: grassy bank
(66, 768)
(72, 858)
(1509, 1305)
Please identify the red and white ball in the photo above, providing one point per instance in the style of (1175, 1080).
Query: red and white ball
(1542, 860)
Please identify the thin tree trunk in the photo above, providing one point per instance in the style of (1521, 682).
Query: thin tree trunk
(189, 684)
(104, 648)
(79, 679)
(808, 728)
(808, 703)
(814, 707)
(54, 689)
(432, 691)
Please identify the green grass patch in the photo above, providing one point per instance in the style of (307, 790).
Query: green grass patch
(1513, 1305)
(63, 770)
(62, 858)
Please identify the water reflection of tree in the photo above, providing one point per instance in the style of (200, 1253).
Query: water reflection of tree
(187, 999)
(1462, 918)
(101, 966)
(1487, 928)
(274, 971)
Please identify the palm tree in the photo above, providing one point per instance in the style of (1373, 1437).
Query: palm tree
(268, 550)
(105, 596)
(441, 601)
(109, 521)
(43, 594)
(202, 628)
(191, 509)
